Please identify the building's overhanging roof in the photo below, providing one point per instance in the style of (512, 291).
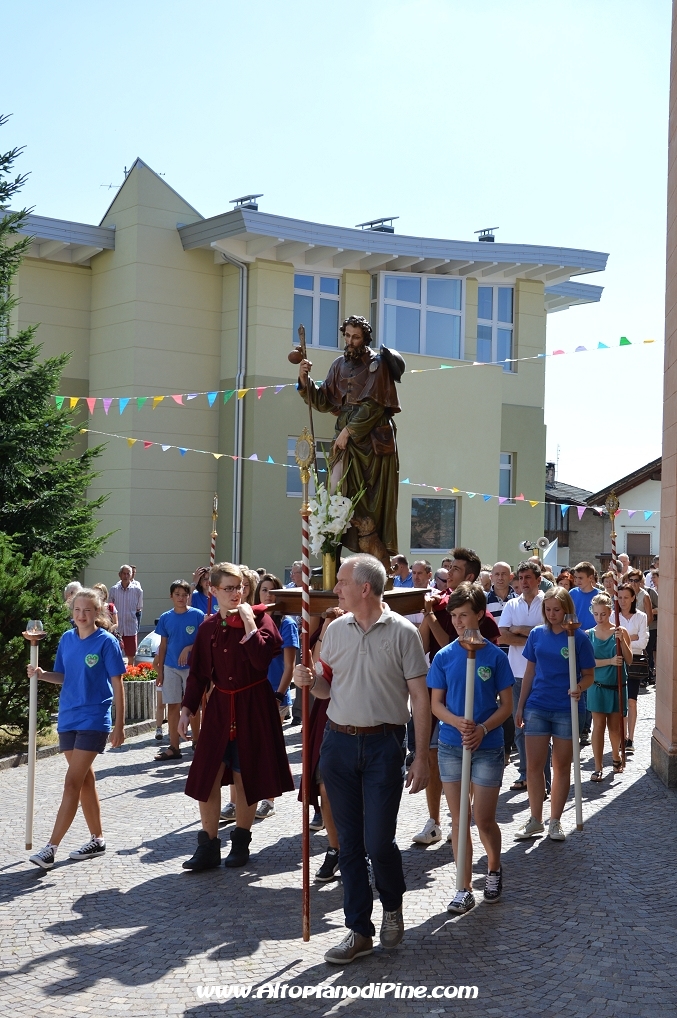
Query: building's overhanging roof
(247, 235)
(60, 240)
(566, 494)
(569, 294)
(649, 472)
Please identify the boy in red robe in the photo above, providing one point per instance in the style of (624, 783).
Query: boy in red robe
(241, 740)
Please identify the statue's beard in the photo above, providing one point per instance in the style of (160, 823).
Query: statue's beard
(354, 354)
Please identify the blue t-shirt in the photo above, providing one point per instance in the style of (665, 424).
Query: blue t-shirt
(289, 632)
(492, 674)
(87, 692)
(550, 653)
(199, 600)
(180, 630)
(582, 604)
(407, 582)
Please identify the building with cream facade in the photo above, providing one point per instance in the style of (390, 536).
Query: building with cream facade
(158, 301)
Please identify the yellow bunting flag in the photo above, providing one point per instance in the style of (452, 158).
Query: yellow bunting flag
(130, 442)
(532, 504)
(73, 400)
(217, 455)
(157, 400)
(454, 490)
(241, 393)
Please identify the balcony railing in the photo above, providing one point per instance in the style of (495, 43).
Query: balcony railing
(642, 562)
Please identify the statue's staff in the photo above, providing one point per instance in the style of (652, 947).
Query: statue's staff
(212, 547)
(612, 506)
(298, 354)
(305, 456)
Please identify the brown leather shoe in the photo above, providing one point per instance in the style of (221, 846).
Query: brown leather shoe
(353, 946)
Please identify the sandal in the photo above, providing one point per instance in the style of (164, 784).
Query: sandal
(518, 786)
(168, 754)
(597, 776)
(618, 766)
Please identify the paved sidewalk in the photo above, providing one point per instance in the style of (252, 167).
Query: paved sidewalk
(585, 928)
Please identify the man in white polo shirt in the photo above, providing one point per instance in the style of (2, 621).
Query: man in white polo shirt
(371, 664)
(518, 618)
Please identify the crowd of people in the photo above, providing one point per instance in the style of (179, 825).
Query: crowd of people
(388, 706)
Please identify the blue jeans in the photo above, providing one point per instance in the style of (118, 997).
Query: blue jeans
(364, 776)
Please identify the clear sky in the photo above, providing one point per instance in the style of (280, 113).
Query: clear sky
(548, 120)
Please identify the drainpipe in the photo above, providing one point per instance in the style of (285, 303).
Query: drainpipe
(239, 405)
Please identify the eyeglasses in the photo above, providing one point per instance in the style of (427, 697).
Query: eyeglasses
(230, 590)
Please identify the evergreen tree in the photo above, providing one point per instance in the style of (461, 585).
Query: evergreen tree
(43, 503)
(47, 524)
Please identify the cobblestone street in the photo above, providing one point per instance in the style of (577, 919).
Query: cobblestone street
(586, 927)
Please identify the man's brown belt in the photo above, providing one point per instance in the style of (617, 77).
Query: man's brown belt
(369, 730)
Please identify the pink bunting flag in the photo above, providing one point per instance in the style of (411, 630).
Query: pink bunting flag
(580, 509)
(147, 445)
(555, 352)
(91, 403)
(106, 405)
(519, 498)
(178, 399)
(261, 389)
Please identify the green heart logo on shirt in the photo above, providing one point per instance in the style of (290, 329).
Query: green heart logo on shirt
(190, 629)
(564, 652)
(484, 673)
(91, 660)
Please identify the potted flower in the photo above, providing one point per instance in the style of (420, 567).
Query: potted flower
(139, 685)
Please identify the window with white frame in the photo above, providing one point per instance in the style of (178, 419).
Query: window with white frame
(495, 314)
(293, 474)
(421, 314)
(316, 307)
(505, 486)
(433, 524)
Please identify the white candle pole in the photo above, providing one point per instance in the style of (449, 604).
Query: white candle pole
(571, 624)
(34, 633)
(471, 642)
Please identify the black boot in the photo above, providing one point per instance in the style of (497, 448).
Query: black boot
(207, 854)
(239, 847)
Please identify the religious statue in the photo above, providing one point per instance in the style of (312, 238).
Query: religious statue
(360, 391)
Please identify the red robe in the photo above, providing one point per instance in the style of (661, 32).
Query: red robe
(242, 698)
(488, 627)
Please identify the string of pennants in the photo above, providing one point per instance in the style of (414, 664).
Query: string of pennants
(183, 398)
(269, 461)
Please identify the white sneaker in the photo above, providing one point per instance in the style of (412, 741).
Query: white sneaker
(529, 830)
(44, 858)
(556, 831)
(431, 833)
(266, 809)
(89, 850)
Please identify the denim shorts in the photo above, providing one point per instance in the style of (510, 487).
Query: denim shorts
(556, 723)
(486, 766)
(231, 757)
(84, 738)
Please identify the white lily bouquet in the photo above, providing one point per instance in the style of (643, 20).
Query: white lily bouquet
(330, 517)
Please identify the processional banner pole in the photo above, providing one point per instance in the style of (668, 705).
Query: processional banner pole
(571, 624)
(471, 641)
(34, 633)
(305, 456)
(612, 506)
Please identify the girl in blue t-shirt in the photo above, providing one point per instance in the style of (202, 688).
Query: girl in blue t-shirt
(544, 709)
(89, 668)
(483, 735)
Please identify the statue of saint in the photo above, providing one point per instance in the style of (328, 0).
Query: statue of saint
(360, 392)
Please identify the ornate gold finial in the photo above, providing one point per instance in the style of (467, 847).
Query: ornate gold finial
(305, 455)
(612, 504)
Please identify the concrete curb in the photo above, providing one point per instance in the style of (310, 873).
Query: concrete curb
(7, 762)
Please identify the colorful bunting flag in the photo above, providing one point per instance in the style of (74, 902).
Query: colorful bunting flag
(564, 509)
(147, 445)
(123, 404)
(59, 401)
(405, 481)
(254, 457)
(519, 498)
(91, 403)
(625, 341)
(183, 451)
(580, 509)
(648, 515)
(178, 399)
(157, 400)
(165, 447)
(106, 406)
(260, 391)
(241, 393)
(631, 513)
(486, 497)
(533, 504)
(270, 460)
(73, 400)
(140, 400)
(211, 396)
(501, 500)
(130, 442)
(471, 494)
(228, 394)
(279, 388)
(194, 395)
